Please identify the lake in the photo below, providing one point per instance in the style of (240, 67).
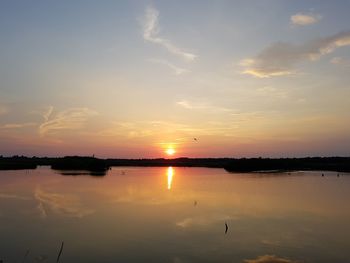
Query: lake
(172, 214)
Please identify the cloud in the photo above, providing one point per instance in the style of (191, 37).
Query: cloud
(202, 106)
(71, 119)
(183, 131)
(17, 125)
(176, 70)
(304, 19)
(44, 112)
(269, 259)
(67, 205)
(151, 33)
(13, 196)
(337, 60)
(142, 129)
(47, 113)
(340, 61)
(185, 104)
(280, 58)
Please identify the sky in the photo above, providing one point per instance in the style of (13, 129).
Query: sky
(148, 79)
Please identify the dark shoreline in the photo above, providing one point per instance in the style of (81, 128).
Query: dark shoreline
(338, 164)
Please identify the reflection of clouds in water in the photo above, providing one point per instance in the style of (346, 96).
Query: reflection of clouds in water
(270, 242)
(67, 205)
(13, 196)
(270, 259)
(41, 258)
(148, 197)
(203, 220)
(287, 240)
(42, 210)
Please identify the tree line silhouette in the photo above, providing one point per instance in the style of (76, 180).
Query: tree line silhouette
(339, 164)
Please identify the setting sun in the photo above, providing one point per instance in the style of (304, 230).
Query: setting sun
(170, 151)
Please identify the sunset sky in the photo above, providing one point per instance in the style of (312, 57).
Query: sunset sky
(139, 79)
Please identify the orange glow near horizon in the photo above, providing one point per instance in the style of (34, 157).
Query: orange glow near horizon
(170, 174)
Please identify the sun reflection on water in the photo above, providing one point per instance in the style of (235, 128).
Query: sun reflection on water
(170, 174)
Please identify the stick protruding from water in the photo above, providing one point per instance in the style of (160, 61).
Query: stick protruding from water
(59, 254)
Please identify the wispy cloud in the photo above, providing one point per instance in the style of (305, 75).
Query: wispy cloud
(280, 58)
(66, 205)
(185, 104)
(13, 196)
(337, 60)
(269, 259)
(304, 19)
(340, 61)
(71, 119)
(202, 106)
(47, 113)
(141, 129)
(151, 32)
(44, 112)
(17, 125)
(176, 70)
(180, 132)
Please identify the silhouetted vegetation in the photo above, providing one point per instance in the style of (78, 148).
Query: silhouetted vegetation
(340, 164)
(82, 172)
(97, 166)
(17, 163)
(177, 162)
(91, 164)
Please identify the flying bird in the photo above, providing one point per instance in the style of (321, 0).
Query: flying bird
(195, 139)
(226, 228)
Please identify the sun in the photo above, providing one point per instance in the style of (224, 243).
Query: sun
(170, 151)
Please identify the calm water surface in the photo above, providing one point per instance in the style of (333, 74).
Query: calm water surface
(174, 215)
